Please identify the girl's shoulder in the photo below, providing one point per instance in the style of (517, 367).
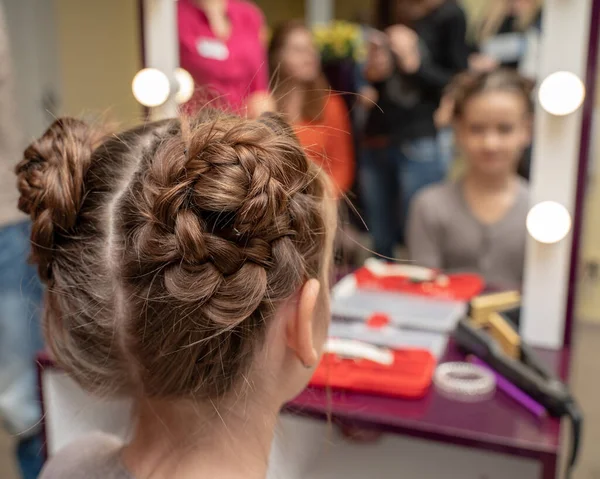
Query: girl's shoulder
(95, 456)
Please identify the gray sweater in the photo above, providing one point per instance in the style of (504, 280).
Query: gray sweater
(443, 233)
(97, 456)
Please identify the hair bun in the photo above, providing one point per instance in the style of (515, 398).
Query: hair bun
(51, 183)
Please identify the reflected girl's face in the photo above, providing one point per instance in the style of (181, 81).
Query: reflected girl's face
(493, 131)
(299, 56)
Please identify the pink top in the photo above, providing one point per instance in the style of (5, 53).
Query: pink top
(230, 70)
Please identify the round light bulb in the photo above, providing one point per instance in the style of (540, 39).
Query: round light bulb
(561, 93)
(186, 86)
(548, 222)
(151, 87)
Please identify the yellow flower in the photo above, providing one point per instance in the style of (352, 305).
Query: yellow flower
(339, 37)
(340, 47)
(360, 53)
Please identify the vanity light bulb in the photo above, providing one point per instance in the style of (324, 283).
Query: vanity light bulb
(548, 222)
(561, 93)
(151, 87)
(185, 83)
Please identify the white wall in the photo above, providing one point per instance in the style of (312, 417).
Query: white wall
(32, 33)
(319, 11)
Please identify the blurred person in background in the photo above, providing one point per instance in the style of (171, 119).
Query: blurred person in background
(477, 224)
(409, 66)
(319, 116)
(507, 34)
(20, 293)
(222, 43)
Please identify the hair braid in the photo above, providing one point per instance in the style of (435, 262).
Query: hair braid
(210, 231)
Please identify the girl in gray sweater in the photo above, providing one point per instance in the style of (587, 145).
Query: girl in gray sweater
(477, 224)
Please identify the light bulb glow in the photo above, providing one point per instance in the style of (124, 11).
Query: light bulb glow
(151, 87)
(561, 93)
(548, 222)
(186, 86)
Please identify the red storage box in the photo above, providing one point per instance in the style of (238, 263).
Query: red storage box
(458, 287)
(409, 376)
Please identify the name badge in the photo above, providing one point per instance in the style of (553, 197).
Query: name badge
(212, 48)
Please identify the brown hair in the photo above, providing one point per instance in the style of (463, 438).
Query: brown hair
(467, 85)
(316, 92)
(166, 249)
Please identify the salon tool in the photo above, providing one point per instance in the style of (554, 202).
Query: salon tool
(512, 391)
(482, 306)
(526, 372)
(464, 381)
(400, 278)
(388, 335)
(405, 310)
(352, 349)
(485, 312)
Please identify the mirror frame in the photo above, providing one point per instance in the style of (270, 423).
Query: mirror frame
(592, 65)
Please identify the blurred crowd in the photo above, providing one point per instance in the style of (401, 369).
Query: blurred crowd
(423, 120)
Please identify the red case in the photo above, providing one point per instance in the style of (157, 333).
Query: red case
(408, 377)
(460, 287)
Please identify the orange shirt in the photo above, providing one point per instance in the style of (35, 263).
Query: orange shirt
(329, 143)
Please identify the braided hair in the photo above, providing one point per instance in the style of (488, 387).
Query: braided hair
(167, 248)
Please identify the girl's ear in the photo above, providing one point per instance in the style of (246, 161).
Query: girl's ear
(300, 338)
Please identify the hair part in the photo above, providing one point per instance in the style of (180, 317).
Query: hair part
(468, 85)
(166, 249)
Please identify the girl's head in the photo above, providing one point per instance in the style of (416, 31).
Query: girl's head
(493, 119)
(183, 259)
(295, 64)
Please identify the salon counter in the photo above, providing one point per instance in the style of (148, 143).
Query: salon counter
(498, 425)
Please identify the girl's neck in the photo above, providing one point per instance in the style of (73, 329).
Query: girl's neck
(489, 184)
(192, 441)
